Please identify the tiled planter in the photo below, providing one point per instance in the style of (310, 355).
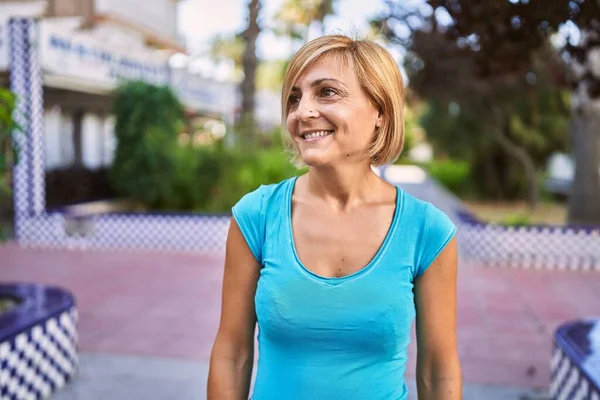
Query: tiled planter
(38, 342)
(575, 364)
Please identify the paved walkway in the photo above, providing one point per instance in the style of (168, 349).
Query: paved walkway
(166, 306)
(119, 377)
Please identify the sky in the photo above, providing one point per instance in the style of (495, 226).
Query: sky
(199, 20)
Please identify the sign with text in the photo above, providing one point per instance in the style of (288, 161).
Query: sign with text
(80, 55)
(203, 94)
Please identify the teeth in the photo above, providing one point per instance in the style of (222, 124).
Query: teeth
(316, 134)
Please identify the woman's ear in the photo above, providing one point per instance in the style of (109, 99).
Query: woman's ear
(379, 120)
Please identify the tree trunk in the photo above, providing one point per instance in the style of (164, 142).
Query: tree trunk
(584, 203)
(325, 8)
(521, 156)
(492, 183)
(249, 63)
(496, 128)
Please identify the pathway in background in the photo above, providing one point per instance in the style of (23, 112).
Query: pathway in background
(118, 377)
(415, 181)
(167, 305)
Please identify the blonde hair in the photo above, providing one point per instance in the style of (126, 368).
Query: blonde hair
(378, 75)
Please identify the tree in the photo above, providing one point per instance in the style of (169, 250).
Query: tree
(250, 64)
(496, 105)
(538, 124)
(270, 74)
(228, 49)
(498, 40)
(295, 17)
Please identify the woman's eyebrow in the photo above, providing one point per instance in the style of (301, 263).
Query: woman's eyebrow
(317, 82)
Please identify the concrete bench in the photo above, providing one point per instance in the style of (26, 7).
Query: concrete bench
(79, 218)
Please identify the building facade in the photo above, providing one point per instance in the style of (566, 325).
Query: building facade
(86, 47)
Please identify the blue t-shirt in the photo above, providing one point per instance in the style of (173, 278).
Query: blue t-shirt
(335, 338)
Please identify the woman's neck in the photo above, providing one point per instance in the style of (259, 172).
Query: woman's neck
(343, 187)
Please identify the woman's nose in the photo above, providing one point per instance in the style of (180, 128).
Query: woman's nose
(307, 109)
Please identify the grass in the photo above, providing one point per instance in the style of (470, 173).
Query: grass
(550, 213)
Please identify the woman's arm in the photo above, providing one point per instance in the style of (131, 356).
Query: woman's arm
(233, 351)
(438, 364)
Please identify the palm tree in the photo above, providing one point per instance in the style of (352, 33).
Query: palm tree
(250, 64)
(295, 17)
(224, 48)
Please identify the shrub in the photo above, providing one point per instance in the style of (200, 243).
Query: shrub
(153, 169)
(516, 219)
(148, 122)
(197, 175)
(453, 174)
(246, 171)
(8, 153)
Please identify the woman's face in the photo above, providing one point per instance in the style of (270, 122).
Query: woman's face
(331, 119)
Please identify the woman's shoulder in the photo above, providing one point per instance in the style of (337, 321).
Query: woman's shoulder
(423, 214)
(415, 207)
(252, 211)
(430, 227)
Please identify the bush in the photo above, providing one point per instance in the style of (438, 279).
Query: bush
(453, 174)
(196, 178)
(8, 154)
(246, 171)
(516, 219)
(154, 170)
(148, 122)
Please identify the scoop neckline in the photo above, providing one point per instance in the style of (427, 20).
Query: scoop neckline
(355, 275)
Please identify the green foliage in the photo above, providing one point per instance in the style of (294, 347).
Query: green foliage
(412, 130)
(8, 151)
(246, 170)
(270, 73)
(228, 48)
(294, 17)
(196, 177)
(455, 175)
(148, 122)
(154, 170)
(516, 219)
(413, 135)
(8, 126)
(4, 233)
(452, 133)
(536, 120)
(494, 85)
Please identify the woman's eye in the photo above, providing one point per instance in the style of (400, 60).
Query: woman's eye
(293, 99)
(328, 92)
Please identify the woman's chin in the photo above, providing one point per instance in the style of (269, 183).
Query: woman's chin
(316, 160)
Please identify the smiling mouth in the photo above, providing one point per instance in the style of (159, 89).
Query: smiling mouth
(314, 136)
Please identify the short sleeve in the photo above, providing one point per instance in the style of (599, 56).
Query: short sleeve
(437, 233)
(249, 215)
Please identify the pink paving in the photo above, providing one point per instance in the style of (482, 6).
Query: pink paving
(165, 304)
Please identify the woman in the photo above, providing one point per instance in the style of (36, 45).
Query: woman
(335, 265)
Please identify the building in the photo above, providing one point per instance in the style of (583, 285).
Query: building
(86, 47)
(154, 23)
